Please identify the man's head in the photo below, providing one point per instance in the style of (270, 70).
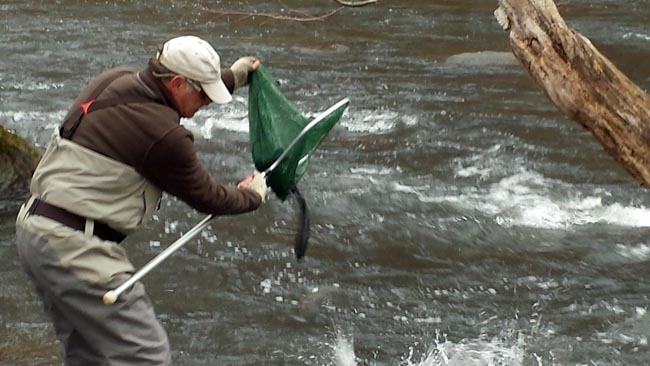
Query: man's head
(196, 78)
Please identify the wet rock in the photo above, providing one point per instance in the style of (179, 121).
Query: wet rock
(322, 303)
(320, 51)
(18, 159)
(483, 58)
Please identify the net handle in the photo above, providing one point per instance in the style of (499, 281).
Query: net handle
(111, 296)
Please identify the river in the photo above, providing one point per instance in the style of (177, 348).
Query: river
(457, 217)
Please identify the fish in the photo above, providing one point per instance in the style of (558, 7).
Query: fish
(302, 236)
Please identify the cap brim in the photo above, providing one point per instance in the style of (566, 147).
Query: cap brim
(217, 92)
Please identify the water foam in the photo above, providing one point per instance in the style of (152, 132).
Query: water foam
(234, 117)
(30, 119)
(641, 36)
(527, 198)
(368, 121)
(34, 86)
(635, 254)
(230, 117)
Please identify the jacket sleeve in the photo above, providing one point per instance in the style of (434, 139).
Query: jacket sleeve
(172, 164)
(228, 79)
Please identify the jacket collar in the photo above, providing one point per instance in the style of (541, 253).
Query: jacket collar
(155, 87)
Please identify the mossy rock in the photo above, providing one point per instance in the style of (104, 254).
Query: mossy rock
(18, 159)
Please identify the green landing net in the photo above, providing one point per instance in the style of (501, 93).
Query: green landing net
(274, 122)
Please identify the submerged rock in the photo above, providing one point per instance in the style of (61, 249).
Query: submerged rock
(483, 58)
(18, 159)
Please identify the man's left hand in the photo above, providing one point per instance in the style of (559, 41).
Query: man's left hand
(242, 68)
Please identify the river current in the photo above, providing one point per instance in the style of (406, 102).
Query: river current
(457, 217)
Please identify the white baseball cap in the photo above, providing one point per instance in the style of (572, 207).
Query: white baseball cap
(195, 59)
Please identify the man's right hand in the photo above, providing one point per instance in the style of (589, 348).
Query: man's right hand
(255, 182)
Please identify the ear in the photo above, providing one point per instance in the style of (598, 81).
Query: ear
(175, 85)
(177, 81)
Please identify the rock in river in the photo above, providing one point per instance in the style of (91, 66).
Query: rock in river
(18, 159)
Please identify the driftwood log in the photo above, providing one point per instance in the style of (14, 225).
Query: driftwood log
(580, 81)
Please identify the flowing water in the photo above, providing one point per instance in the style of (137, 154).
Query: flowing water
(457, 217)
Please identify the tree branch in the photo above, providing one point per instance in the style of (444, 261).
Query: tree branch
(304, 17)
(355, 4)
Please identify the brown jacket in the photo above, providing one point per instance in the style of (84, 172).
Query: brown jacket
(149, 138)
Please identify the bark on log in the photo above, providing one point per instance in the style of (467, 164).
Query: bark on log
(580, 81)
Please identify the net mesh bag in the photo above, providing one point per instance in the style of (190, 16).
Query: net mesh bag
(274, 122)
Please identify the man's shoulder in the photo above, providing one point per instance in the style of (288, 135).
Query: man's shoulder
(113, 73)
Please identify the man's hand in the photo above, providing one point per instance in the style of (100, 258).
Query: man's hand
(242, 68)
(255, 182)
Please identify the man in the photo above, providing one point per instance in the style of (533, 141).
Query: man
(102, 177)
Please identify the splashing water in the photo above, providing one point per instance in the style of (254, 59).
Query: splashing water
(492, 352)
(343, 351)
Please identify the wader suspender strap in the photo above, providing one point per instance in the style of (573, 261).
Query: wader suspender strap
(69, 126)
(67, 129)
